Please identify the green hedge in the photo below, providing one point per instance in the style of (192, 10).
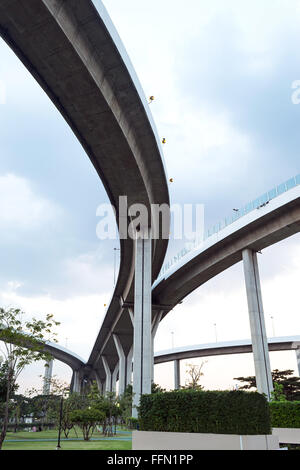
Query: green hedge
(218, 412)
(285, 414)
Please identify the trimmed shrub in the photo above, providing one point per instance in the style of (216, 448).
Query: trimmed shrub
(285, 414)
(217, 412)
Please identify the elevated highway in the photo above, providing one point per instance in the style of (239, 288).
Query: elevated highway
(259, 229)
(74, 52)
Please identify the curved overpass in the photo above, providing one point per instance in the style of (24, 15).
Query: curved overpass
(285, 343)
(65, 355)
(73, 51)
(267, 225)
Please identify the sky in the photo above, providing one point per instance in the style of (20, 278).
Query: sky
(222, 75)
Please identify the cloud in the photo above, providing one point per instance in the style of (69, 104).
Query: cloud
(80, 315)
(20, 208)
(221, 73)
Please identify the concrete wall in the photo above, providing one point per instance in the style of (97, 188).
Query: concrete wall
(287, 435)
(145, 440)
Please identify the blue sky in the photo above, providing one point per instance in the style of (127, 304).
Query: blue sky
(222, 74)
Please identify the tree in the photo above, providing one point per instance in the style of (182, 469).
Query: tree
(155, 388)
(87, 419)
(73, 402)
(290, 384)
(24, 343)
(277, 394)
(21, 407)
(125, 402)
(109, 404)
(194, 375)
(47, 407)
(3, 382)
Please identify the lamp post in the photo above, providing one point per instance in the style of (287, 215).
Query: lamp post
(273, 325)
(60, 420)
(215, 327)
(172, 333)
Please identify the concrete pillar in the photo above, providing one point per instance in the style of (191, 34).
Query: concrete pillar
(114, 378)
(122, 365)
(298, 360)
(48, 377)
(177, 374)
(155, 325)
(99, 382)
(108, 380)
(257, 324)
(129, 367)
(142, 338)
(76, 382)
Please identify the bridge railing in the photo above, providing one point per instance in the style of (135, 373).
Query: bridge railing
(238, 213)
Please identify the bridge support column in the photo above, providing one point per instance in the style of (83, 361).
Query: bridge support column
(177, 374)
(122, 365)
(99, 383)
(114, 379)
(298, 360)
(257, 324)
(142, 337)
(155, 325)
(129, 367)
(76, 382)
(48, 377)
(108, 379)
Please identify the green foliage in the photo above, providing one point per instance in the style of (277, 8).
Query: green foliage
(24, 343)
(125, 404)
(219, 412)
(110, 405)
(87, 419)
(155, 388)
(290, 383)
(132, 423)
(3, 382)
(277, 394)
(285, 414)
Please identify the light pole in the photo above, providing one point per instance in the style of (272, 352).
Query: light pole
(60, 420)
(172, 333)
(215, 327)
(273, 325)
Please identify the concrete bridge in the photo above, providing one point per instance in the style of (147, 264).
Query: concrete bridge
(286, 343)
(74, 52)
(175, 355)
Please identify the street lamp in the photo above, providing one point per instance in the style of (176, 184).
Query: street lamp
(172, 333)
(60, 420)
(273, 325)
(215, 327)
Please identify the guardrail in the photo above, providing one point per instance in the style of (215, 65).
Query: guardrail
(238, 213)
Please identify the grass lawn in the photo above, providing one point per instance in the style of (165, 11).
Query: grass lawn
(47, 440)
